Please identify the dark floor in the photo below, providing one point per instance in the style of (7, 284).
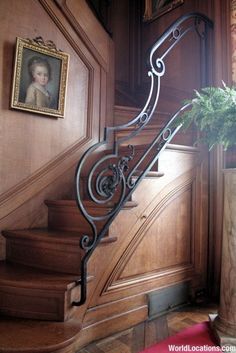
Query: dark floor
(147, 333)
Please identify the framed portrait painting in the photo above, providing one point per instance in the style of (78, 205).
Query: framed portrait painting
(157, 8)
(40, 77)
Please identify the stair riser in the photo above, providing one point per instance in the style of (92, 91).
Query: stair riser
(67, 221)
(70, 219)
(50, 256)
(65, 216)
(32, 304)
(37, 304)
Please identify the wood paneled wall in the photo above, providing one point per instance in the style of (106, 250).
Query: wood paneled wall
(38, 154)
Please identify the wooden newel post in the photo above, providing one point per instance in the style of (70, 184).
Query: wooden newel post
(224, 325)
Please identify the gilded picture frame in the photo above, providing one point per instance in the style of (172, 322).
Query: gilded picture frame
(157, 8)
(40, 77)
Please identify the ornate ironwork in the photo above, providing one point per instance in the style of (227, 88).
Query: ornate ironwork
(111, 179)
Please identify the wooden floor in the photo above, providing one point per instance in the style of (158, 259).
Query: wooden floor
(146, 334)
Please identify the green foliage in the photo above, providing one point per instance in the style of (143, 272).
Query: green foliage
(213, 110)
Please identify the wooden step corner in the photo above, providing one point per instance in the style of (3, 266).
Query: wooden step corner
(54, 250)
(26, 292)
(31, 336)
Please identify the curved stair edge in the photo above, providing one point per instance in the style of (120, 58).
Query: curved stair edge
(31, 336)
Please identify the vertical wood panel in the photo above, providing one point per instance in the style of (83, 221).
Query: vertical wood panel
(222, 71)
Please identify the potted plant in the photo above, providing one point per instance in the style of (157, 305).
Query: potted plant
(213, 110)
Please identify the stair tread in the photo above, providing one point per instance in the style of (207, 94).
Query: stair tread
(50, 236)
(22, 336)
(87, 204)
(29, 277)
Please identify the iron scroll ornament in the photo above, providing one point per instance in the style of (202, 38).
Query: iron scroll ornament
(111, 181)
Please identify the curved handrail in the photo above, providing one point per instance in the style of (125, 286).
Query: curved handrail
(109, 177)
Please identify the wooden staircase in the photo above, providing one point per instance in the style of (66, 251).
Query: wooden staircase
(39, 280)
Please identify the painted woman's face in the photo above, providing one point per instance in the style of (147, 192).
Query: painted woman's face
(40, 75)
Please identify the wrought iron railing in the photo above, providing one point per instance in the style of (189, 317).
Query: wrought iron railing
(113, 162)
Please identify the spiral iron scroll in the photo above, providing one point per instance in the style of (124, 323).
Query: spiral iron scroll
(111, 181)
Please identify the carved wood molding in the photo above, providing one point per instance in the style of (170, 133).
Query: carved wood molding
(148, 277)
(84, 30)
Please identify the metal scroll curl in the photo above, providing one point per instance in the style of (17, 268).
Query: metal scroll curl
(106, 181)
(113, 163)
